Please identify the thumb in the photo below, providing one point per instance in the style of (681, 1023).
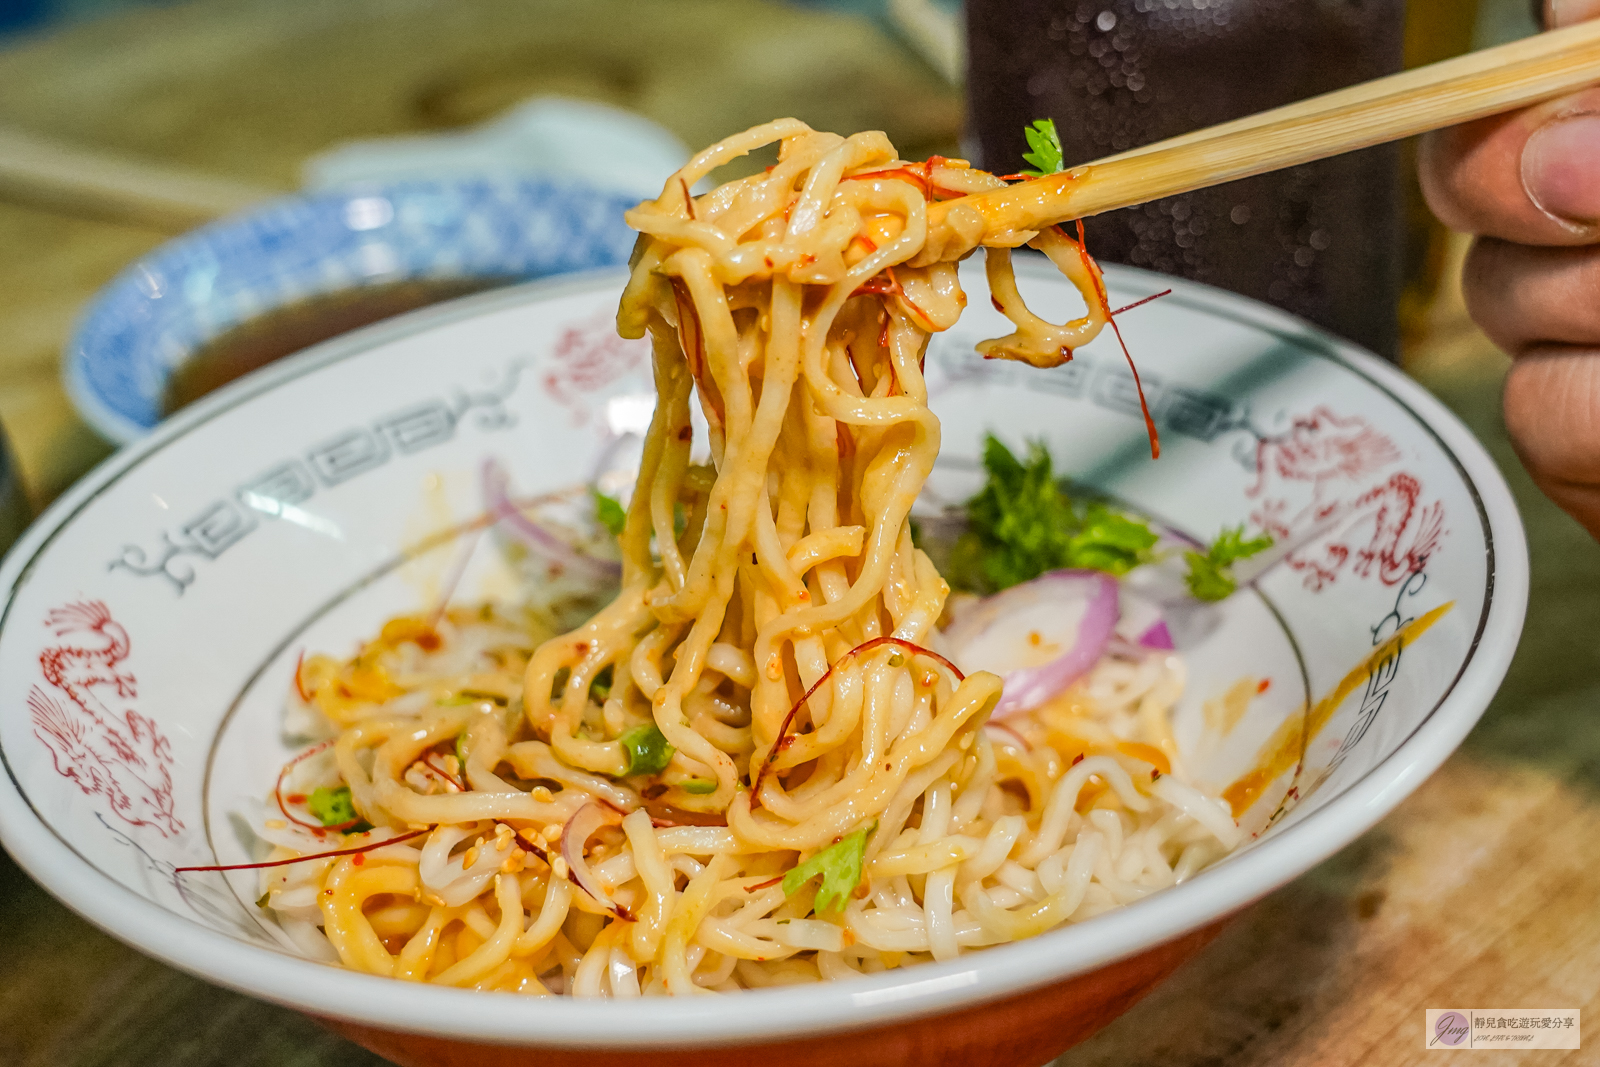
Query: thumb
(1558, 13)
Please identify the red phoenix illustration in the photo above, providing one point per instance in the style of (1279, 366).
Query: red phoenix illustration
(1330, 467)
(587, 357)
(98, 740)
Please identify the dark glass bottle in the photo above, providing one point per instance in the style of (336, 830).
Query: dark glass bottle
(1320, 240)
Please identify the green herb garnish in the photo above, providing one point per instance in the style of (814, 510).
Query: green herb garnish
(1047, 156)
(1110, 541)
(469, 696)
(1210, 574)
(333, 807)
(698, 786)
(1022, 523)
(839, 866)
(608, 512)
(600, 688)
(648, 751)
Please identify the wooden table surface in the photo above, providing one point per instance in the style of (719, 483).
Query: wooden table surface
(1478, 891)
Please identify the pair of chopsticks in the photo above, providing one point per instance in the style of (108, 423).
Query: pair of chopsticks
(1443, 94)
(82, 182)
(1387, 109)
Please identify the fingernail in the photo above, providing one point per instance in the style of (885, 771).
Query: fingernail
(1561, 168)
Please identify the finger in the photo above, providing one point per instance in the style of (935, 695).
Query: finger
(1552, 406)
(1525, 297)
(1527, 177)
(1559, 13)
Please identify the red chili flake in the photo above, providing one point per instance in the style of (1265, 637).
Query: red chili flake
(427, 760)
(768, 884)
(1100, 292)
(784, 740)
(299, 686)
(299, 798)
(1077, 759)
(997, 305)
(306, 859)
(540, 851)
(1140, 303)
(688, 201)
(1265, 684)
(685, 434)
(358, 859)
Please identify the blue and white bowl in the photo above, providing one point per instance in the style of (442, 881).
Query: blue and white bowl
(159, 312)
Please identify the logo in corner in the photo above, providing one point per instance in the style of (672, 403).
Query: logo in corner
(96, 737)
(1450, 1028)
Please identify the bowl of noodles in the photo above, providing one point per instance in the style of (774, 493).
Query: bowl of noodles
(815, 636)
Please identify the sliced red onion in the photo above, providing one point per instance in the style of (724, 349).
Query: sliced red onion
(575, 835)
(512, 519)
(1157, 637)
(1040, 636)
(1142, 624)
(1010, 735)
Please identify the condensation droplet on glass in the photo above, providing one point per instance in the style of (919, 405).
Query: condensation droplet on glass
(1240, 214)
(1107, 21)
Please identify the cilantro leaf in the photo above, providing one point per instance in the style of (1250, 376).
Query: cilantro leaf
(608, 512)
(1210, 574)
(1022, 524)
(1110, 541)
(1021, 521)
(1047, 155)
(839, 866)
(333, 806)
(648, 751)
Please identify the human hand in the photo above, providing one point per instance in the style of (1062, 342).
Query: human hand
(1528, 185)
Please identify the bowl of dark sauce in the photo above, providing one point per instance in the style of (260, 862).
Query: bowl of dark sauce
(239, 293)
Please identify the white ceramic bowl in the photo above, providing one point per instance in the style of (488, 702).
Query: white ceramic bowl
(153, 615)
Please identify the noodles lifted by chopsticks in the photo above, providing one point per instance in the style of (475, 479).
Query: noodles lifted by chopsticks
(830, 802)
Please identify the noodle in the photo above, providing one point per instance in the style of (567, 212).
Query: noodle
(777, 625)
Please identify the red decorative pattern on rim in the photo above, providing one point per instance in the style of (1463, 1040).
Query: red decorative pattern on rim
(98, 740)
(587, 357)
(1331, 467)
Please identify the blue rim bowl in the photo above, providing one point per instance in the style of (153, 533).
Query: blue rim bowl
(159, 312)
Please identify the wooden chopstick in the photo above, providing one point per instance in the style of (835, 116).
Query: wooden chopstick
(60, 177)
(1386, 109)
